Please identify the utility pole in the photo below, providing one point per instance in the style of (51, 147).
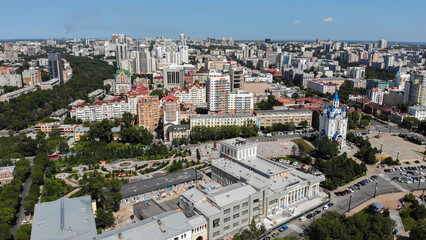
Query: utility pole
(397, 155)
(350, 200)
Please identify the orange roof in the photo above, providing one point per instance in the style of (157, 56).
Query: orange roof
(169, 97)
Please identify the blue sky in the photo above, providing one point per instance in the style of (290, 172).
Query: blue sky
(394, 20)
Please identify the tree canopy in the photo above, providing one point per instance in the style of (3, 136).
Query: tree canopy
(365, 225)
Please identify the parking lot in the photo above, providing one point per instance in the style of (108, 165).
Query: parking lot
(408, 177)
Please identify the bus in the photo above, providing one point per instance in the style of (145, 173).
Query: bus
(54, 156)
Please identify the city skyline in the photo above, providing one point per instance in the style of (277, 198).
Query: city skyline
(254, 20)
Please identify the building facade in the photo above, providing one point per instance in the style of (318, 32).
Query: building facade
(266, 118)
(323, 87)
(171, 111)
(55, 66)
(31, 77)
(418, 111)
(149, 112)
(240, 102)
(6, 174)
(173, 76)
(376, 95)
(217, 120)
(218, 87)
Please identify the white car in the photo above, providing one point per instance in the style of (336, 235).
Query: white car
(302, 219)
(325, 207)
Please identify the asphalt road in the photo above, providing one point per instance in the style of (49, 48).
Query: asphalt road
(21, 214)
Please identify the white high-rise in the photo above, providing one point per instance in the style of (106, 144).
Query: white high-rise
(383, 43)
(218, 87)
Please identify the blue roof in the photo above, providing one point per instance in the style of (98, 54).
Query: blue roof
(336, 135)
(336, 97)
(377, 205)
(325, 107)
(343, 109)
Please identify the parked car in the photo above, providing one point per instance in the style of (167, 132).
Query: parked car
(283, 228)
(302, 219)
(325, 207)
(310, 215)
(317, 212)
(330, 204)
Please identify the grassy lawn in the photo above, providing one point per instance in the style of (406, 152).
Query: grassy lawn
(407, 220)
(308, 147)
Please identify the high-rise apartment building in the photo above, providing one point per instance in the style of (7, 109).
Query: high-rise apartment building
(173, 76)
(170, 109)
(415, 89)
(237, 78)
(31, 77)
(355, 72)
(149, 112)
(240, 102)
(55, 66)
(383, 43)
(218, 87)
(122, 82)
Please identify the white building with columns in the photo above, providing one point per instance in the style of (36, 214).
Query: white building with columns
(254, 187)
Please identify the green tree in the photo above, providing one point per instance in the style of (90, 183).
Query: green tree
(7, 214)
(410, 123)
(304, 124)
(127, 120)
(418, 232)
(327, 148)
(37, 176)
(136, 135)
(104, 218)
(101, 131)
(24, 232)
(5, 232)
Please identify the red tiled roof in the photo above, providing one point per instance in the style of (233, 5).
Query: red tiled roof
(169, 97)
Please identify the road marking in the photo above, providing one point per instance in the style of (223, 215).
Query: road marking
(393, 182)
(295, 228)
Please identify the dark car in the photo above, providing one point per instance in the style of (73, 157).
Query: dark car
(317, 212)
(310, 215)
(305, 232)
(330, 204)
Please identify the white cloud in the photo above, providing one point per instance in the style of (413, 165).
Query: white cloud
(328, 20)
(297, 21)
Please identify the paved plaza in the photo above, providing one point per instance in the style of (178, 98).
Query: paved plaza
(408, 151)
(274, 149)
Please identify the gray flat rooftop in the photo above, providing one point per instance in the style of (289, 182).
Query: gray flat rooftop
(292, 177)
(231, 193)
(161, 227)
(157, 183)
(66, 218)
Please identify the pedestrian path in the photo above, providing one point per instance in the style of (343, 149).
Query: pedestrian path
(394, 215)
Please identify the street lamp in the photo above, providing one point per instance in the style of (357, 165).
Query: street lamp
(381, 148)
(397, 155)
(375, 190)
(350, 200)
